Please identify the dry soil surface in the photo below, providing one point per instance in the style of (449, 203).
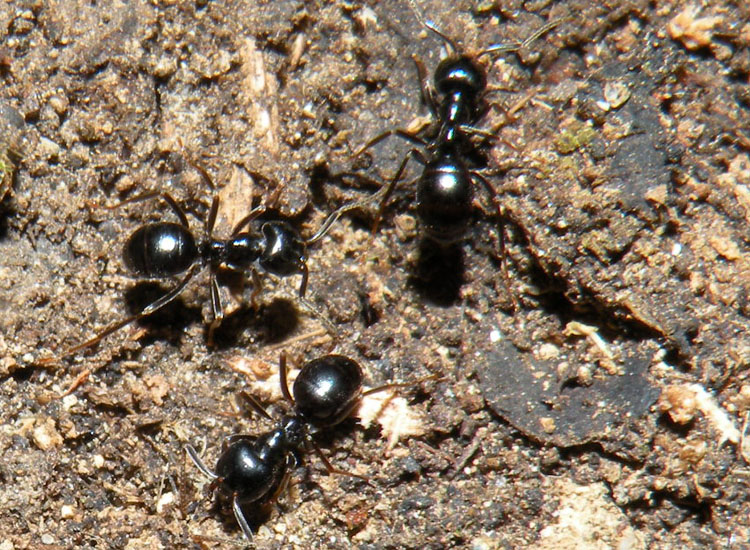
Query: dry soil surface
(598, 399)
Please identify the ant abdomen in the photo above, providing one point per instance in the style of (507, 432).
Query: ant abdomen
(159, 250)
(445, 196)
(327, 389)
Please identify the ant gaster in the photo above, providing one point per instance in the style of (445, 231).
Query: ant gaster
(166, 249)
(256, 469)
(445, 188)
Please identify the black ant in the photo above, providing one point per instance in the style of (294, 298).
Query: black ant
(445, 188)
(166, 249)
(256, 469)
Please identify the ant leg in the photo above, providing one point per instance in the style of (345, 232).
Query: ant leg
(336, 214)
(169, 296)
(330, 329)
(474, 131)
(331, 469)
(193, 454)
(291, 464)
(211, 219)
(148, 310)
(403, 134)
(509, 114)
(255, 405)
(217, 309)
(240, 517)
(254, 213)
(501, 237)
(166, 197)
(257, 289)
(283, 382)
(515, 46)
(272, 201)
(305, 276)
(413, 153)
(176, 209)
(202, 171)
(490, 136)
(428, 92)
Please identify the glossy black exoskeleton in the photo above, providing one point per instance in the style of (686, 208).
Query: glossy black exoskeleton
(445, 197)
(160, 250)
(166, 249)
(256, 469)
(327, 390)
(448, 152)
(445, 187)
(456, 100)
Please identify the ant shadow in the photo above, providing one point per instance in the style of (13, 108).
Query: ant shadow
(439, 272)
(5, 214)
(168, 322)
(276, 321)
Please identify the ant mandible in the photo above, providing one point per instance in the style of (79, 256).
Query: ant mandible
(167, 249)
(445, 188)
(257, 469)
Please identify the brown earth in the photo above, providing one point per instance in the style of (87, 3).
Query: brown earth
(608, 411)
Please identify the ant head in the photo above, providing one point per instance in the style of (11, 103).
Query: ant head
(460, 74)
(327, 389)
(285, 251)
(240, 471)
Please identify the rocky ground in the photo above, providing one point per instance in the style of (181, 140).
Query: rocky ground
(607, 409)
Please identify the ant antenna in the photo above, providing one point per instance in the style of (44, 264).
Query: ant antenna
(336, 214)
(515, 46)
(326, 226)
(433, 27)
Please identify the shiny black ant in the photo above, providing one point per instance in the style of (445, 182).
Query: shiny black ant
(167, 249)
(257, 469)
(445, 188)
